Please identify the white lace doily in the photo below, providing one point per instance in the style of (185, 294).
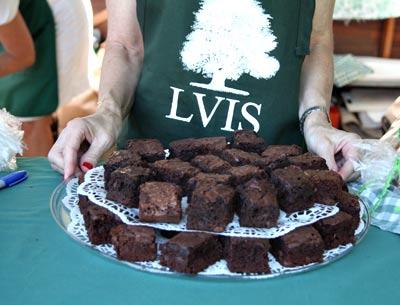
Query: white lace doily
(93, 187)
(77, 229)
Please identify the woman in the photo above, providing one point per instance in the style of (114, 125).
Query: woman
(28, 71)
(76, 59)
(175, 69)
(74, 45)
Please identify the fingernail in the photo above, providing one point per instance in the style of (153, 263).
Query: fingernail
(87, 165)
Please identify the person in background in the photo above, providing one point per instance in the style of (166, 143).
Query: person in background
(28, 69)
(76, 59)
(212, 68)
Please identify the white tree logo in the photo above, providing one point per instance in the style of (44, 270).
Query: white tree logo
(230, 38)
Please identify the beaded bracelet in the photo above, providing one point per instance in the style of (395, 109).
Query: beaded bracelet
(308, 112)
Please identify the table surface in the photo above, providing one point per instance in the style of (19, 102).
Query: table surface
(40, 264)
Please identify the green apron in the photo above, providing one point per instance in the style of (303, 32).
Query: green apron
(215, 66)
(33, 91)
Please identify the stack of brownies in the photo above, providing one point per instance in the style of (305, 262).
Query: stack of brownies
(246, 177)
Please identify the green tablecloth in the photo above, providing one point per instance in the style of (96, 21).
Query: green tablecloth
(40, 264)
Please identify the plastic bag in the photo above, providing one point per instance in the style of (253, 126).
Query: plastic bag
(11, 136)
(376, 161)
(379, 168)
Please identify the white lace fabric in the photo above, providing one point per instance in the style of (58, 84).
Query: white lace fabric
(93, 187)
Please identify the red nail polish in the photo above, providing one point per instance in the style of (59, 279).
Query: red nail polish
(87, 165)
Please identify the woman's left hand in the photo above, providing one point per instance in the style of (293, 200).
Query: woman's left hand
(337, 147)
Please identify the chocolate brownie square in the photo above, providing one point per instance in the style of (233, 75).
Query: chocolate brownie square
(211, 208)
(237, 157)
(248, 140)
(205, 179)
(134, 243)
(191, 252)
(120, 159)
(258, 205)
(211, 164)
(328, 185)
(212, 145)
(350, 204)
(174, 171)
(295, 190)
(308, 161)
(98, 222)
(83, 203)
(149, 149)
(242, 174)
(124, 183)
(184, 149)
(299, 247)
(275, 156)
(336, 230)
(247, 255)
(81, 178)
(168, 234)
(160, 202)
(187, 149)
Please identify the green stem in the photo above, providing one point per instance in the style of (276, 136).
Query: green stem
(392, 174)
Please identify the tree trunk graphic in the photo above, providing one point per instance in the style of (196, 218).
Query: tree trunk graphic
(221, 48)
(218, 84)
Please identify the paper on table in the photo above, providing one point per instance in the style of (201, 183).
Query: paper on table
(369, 100)
(386, 72)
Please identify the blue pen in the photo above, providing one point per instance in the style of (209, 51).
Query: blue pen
(13, 179)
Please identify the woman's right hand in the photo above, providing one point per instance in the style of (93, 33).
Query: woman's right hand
(100, 130)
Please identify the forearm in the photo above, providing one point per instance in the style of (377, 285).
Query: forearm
(317, 71)
(119, 77)
(19, 50)
(316, 78)
(10, 64)
(123, 59)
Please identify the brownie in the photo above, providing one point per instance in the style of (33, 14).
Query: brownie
(149, 149)
(350, 204)
(211, 208)
(191, 252)
(120, 159)
(160, 202)
(83, 203)
(205, 179)
(299, 247)
(168, 234)
(247, 255)
(124, 183)
(336, 230)
(242, 174)
(248, 140)
(328, 185)
(174, 171)
(211, 164)
(276, 156)
(134, 243)
(81, 178)
(308, 161)
(237, 157)
(187, 149)
(295, 190)
(258, 205)
(98, 222)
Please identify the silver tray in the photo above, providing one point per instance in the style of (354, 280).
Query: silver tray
(61, 215)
